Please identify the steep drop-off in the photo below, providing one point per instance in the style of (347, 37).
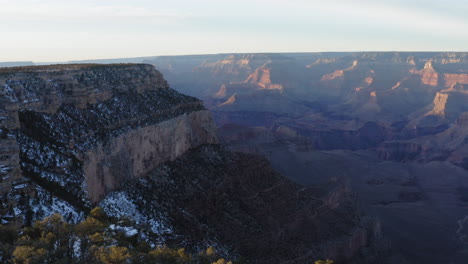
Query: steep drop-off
(77, 136)
(238, 202)
(80, 131)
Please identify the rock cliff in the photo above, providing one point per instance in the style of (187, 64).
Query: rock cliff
(440, 101)
(429, 75)
(453, 78)
(80, 131)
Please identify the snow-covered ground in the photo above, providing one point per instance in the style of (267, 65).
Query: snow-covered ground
(118, 204)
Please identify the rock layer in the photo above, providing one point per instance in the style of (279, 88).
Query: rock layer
(80, 131)
(136, 153)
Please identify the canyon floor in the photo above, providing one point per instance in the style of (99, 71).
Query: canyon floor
(420, 206)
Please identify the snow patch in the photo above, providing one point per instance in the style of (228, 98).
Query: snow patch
(21, 186)
(77, 248)
(118, 204)
(47, 205)
(5, 169)
(128, 230)
(9, 93)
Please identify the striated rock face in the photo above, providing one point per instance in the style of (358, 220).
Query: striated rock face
(451, 79)
(80, 131)
(136, 153)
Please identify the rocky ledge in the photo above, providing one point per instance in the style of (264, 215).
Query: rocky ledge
(79, 131)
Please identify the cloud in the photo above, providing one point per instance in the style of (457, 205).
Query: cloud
(70, 11)
(60, 29)
(428, 17)
(406, 19)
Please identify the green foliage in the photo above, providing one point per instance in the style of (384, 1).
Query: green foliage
(169, 255)
(90, 226)
(52, 240)
(222, 261)
(208, 256)
(324, 261)
(99, 214)
(210, 251)
(46, 239)
(112, 255)
(28, 255)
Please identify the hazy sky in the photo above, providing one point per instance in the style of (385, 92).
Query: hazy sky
(53, 30)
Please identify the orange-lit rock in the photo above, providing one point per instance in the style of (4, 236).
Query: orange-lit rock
(229, 101)
(429, 75)
(262, 77)
(451, 79)
(334, 75)
(440, 102)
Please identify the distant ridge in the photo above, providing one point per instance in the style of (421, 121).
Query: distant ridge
(16, 63)
(216, 56)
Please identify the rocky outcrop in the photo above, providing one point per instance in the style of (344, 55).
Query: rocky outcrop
(136, 153)
(229, 101)
(262, 78)
(81, 131)
(240, 66)
(334, 75)
(440, 101)
(429, 76)
(453, 78)
(450, 103)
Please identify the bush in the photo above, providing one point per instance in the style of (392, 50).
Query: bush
(52, 240)
(324, 261)
(112, 255)
(28, 255)
(169, 256)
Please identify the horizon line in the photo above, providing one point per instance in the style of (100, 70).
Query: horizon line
(234, 53)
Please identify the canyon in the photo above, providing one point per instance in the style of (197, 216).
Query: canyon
(77, 136)
(393, 124)
(369, 147)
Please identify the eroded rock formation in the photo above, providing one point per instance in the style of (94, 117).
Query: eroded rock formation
(80, 131)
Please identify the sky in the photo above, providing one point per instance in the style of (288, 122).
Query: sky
(58, 30)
